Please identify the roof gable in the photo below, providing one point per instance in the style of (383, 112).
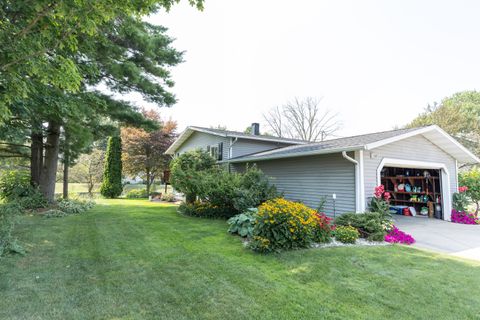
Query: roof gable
(227, 133)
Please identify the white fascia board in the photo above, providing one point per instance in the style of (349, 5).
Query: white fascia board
(294, 155)
(268, 139)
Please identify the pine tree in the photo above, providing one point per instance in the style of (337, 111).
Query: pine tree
(112, 173)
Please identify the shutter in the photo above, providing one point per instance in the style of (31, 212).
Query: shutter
(220, 151)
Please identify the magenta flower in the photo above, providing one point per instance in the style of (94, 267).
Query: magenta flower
(398, 236)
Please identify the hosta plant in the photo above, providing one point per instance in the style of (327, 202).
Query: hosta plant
(243, 223)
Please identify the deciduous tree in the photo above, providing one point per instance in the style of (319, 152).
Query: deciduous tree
(143, 151)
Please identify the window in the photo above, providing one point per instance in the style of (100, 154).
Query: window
(216, 151)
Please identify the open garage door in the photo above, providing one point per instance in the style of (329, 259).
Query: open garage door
(419, 189)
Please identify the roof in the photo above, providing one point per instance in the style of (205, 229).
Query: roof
(367, 142)
(229, 134)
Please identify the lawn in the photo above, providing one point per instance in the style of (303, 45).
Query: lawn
(82, 187)
(131, 259)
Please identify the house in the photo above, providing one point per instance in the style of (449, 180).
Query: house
(418, 166)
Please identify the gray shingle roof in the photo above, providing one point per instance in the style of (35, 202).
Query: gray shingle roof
(340, 144)
(249, 136)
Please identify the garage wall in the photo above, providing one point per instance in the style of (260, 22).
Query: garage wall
(307, 179)
(416, 148)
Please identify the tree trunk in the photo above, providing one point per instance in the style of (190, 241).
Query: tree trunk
(66, 164)
(36, 157)
(49, 168)
(148, 183)
(65, 179)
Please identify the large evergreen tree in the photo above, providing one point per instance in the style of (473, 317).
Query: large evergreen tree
(125, 54)
(112, 171)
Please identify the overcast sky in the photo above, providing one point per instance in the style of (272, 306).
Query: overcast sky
(376, 63)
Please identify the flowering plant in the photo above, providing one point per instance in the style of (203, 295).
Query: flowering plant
(460, 199)
(398, 236)
(288, 225)
(464, 218)
(462, 189)
(380, 200)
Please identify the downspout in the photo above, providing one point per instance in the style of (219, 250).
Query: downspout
(358, 196)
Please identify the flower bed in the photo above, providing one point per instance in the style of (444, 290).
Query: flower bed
(464, 217)
(398, 236)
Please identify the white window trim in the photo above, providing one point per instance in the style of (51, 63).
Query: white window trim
(446, 194)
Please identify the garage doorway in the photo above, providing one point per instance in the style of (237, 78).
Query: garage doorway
(416, 191)
(421, 187)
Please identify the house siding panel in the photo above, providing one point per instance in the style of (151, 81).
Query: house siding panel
(307, 179)
(416, 148)
(202, 140)
(243, 147)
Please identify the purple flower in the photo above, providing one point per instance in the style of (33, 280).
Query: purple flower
(463, 217)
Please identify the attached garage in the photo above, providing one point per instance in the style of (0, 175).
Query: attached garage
(417, 166)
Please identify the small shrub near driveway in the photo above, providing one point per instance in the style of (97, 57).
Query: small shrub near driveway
(346, 234)
(243, 223)
(283, 225)
(372, 226)
(137, 194)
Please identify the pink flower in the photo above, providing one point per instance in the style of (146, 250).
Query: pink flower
(379, 190)
(462, 189)
(398, 236)
(386, 196)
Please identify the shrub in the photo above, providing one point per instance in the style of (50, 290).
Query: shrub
(169, 197)
(187, 172)
(54, 213)
(460, 199)
(371, 225)
(202, 210)
(15, 187)
(70, 206)
(463, 217)
(253, 190)
(283, 224)
(243, 223)
(136, 194)
(112, 174)
(8, 243)
(346, 234)
(398, 236)
(471, 180)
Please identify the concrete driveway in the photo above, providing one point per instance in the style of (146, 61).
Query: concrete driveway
(460, 240)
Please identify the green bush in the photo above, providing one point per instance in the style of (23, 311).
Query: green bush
(371, 225)
(187, 172)
(460, 201)
(253, 190)
(137, 194)
(8, 214)
(112, 174)
(15, 187)
(346, 234)
(70, 206)
(243, 223)
(283, 224)
(202, 210)
(471, 180)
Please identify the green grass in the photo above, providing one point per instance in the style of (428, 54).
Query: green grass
(82, 187)
(132, 259)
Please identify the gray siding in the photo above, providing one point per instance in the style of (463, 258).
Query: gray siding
(202, 140)
(307, 179)
(416, 148)
(244, 146)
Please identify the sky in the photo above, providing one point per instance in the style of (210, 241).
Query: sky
(376, 63)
